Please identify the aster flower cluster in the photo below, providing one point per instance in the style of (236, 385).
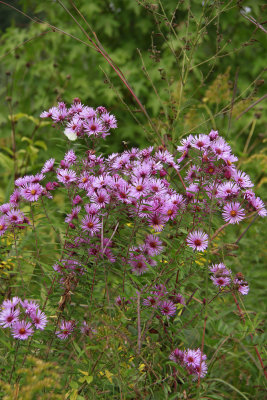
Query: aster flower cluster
(22, 317)
(66, 328)
(159, 298)
(221, 277)
(193, 360)
(80, 120)
(211, 174)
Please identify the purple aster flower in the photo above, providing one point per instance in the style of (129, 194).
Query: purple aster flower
(8, 316)
(3, 225)
(220, 270)
(157, 221)
(66, 176)
(31, 192)
(48, 166)
(77, 200)
(74, 214)
(233, 213)
(177, 298)
(259, 206)
(94, 127)
(221, 281)
(153, 245)
(100, 198)
(86, 329)
(15, 217)
(242, 179)
(11, 303)
(5, 208)
(65, 329)
(91, 224)
(139, 187)
(177, 356)
(151, 301)
(15, 197)
(21, 330)
(167, 308)
(241, 285)
(200, 142)
(139, 265)
(29, 306)
(109, 120)
(197, 240)
(213, 135)
(70, 158)
(227, 190)
(39, 319)
(192, 358)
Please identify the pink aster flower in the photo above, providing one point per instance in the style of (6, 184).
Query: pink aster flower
(177, 298)
(153, 245)
(242, 179)
(197, 240)
(139, 265)
(65, 329)
(31, 192)
(39, 319)
(11, 303)
(151, 301)
(109, 120)
(200, 142)
(221, 281)
(3, 225)
(192, 358)
(100, 198)
(94, 127)
(227, 190)
(15, 217)
(48, 166)
(29, 306)
(157, 221)
(86, 329)
(21, 330)
(70, 158)
(177, 356)
(91, 224)
(167, 308)
(233, 213)
(219, 270)
(6, 207)
(242, 286)
(66, 176)
(139, 187)
(8, 316)
(259, 206)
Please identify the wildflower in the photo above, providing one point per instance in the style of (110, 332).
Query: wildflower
(3, 225)
(139, 265)
(221, 281)
(192, 358)
(65, 329)
(177, 356)
(48, 166)
(8, 316)
(31, 192)
(167, 308)
(66, 176)
(91, 224)
(21, 330)
(39, 319)
(15, 217)
(233, 213)
(197, 240)
(153, 245)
